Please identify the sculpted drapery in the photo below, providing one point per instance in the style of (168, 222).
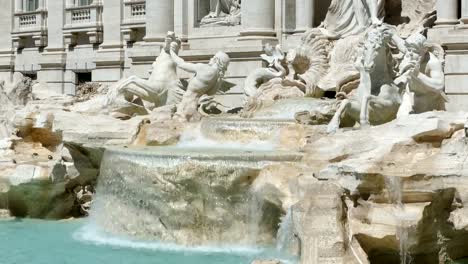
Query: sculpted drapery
(350, 17)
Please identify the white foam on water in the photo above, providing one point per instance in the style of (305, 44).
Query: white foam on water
(92, 234)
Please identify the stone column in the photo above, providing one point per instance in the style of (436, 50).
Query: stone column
(53, 60)
(18, 6)
(447, 12)
(6, 50)
(181, 18)
(304, 15)
(464, 13)
(41, 5)
(159, 19)
(111, 17)
(258, 18)
(70, 3)
(110, 56)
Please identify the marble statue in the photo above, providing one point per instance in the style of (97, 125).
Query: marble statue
(227, 13)
(377, 99)
(18, 91)
(162, 88)
(326, 55)
(351, 17)
(208, 80)
(422, 76)
(277, 68)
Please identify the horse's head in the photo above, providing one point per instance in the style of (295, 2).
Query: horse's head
(374, 47)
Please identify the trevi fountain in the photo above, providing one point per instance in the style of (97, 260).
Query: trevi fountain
(158, 170)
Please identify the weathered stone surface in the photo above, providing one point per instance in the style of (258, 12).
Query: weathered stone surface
(362, 194)
(162, 133)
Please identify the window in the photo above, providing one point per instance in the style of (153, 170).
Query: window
(31, 5)
(85, 2)
(83, 77)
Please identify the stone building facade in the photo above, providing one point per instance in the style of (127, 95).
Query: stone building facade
(64, 42)
(451, 31)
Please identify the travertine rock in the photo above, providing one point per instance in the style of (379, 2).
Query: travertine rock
(361, 195)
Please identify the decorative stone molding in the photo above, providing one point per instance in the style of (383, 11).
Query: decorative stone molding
(30, 25)
(134, 18)
(83, 19)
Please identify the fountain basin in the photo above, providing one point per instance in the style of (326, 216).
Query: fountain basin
(74, 242)
(186, 196)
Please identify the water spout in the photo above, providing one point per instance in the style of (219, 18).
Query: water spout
(395, 192)
(285, 236)
(255, 215)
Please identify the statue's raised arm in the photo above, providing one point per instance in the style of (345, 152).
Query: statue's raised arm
(186, 66)
(421, 72)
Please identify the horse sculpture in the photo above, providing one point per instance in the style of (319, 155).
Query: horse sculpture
(162, 88)
(377, 99)
(277, 68)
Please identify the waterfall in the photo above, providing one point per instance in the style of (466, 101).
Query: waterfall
(254, 218)
(186, 196)
(232, 134)
(285, 236)
(394, 186)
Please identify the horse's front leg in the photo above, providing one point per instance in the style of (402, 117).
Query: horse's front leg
(364, 115)
(334, 124)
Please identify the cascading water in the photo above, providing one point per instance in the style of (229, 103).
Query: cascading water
(194, 194)
(233, 134)
(186, 196)
(394, 186)
(285, 235)
(255, 216)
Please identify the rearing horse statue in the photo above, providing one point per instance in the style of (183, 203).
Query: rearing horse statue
(162, 88)
(377, 99)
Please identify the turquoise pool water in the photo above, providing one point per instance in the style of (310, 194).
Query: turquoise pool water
(74, 242)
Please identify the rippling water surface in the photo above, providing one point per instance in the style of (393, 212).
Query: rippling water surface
(74, 242)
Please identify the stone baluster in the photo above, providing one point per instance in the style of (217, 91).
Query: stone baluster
(258, 18)
(447, 12)
(159, 19)
(304, 15)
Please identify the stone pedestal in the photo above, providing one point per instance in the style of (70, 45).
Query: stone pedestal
(304, 15)
(159, 19)
(447, 13)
